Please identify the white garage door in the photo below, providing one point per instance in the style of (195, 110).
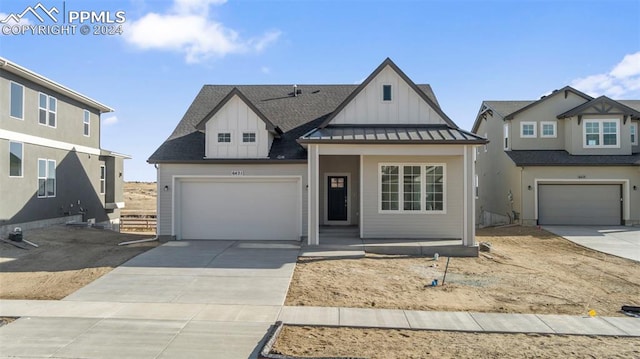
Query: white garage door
(579, 204)
(243, 208)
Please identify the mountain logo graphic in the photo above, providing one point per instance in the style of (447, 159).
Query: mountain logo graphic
(33, 10)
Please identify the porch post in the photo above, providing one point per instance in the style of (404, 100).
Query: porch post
(468, 236)
(313, 192)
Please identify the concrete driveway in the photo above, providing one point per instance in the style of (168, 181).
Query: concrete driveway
(184, 299)
(620, 241)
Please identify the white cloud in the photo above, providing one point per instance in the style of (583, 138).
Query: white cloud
(187, 28)
(11, 22)
(108, 121)
(622, 81)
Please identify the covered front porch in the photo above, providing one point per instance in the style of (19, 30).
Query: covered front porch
(402, 196)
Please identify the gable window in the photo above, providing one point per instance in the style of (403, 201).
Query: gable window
(415, 187)
(633, 128)
(527, 129)
(86, 122)
(601, 133)
(46, 178)
(548, 129)
(386, 93)
(506, 136)
(224, 137)
(248, 137)
(15, 159)
(47, 110)
(103, 177)
(17, 101)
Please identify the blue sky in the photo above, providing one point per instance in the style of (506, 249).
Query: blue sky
(469, 51)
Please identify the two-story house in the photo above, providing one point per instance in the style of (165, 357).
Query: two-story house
(565, 159)
(279, 161)
(52, 169)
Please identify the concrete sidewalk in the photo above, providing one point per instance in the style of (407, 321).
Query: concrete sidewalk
(620, 241)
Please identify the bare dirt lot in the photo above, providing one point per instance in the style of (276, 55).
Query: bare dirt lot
(66, 260)
(528, 271)
(140, 197)
(379, 343)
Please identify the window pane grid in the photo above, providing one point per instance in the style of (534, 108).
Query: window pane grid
(224, 137)
(46, 178)
(547, 130)
(527, 130)
(249, 137)
(412, 188)
(434, 198)
(390, 188)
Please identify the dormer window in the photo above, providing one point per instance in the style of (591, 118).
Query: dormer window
(249, 137)
(224, 137)
(386, 93)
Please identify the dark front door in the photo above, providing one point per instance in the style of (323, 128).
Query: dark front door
(337, 198)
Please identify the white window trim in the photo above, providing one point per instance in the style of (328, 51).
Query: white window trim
(248, 143)
(23, 101)
(382, 93)
(555, 129)
(522, 124)
(87, 122)
(21, 159)
(423, 188)
(600, 132)
(506, 143)
(48, 110)
(103, 179)
(633, 129)
(46, 178)
(224, 143)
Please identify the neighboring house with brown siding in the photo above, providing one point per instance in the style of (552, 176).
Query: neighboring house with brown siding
(565, 159)
(276, 162)
(52, 168)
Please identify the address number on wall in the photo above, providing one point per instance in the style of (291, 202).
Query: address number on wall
(237, 173)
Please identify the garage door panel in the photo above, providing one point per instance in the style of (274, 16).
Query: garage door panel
(579, 204)
(241, 209)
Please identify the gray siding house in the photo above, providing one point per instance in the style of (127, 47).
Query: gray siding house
(280, 161)
(565, 159)
(52, 167)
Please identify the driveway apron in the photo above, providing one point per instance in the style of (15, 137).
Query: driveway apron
(184, 299)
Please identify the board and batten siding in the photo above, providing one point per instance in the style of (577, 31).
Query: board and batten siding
(236, 118)
(406, 106)
(167, 171)
(447, 225)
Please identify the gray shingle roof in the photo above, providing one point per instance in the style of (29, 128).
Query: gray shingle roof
(505, 108)
(294, 115)
(563, 158)
(432, 134)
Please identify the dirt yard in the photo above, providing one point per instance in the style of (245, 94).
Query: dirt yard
(66, 260)
(140, 197)
(528, 271)
(379, 343)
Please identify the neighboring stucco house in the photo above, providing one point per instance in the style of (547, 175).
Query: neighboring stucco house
(565, 159)
(279, 161)
(53, 169)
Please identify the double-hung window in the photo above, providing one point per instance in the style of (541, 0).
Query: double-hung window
(548, 129)
(86, 122)
(633, 128)
(46, 178)
(412, 188)
(17, 101)
(15, 159)
(528, 130)
(47, 107)
(602, 133)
